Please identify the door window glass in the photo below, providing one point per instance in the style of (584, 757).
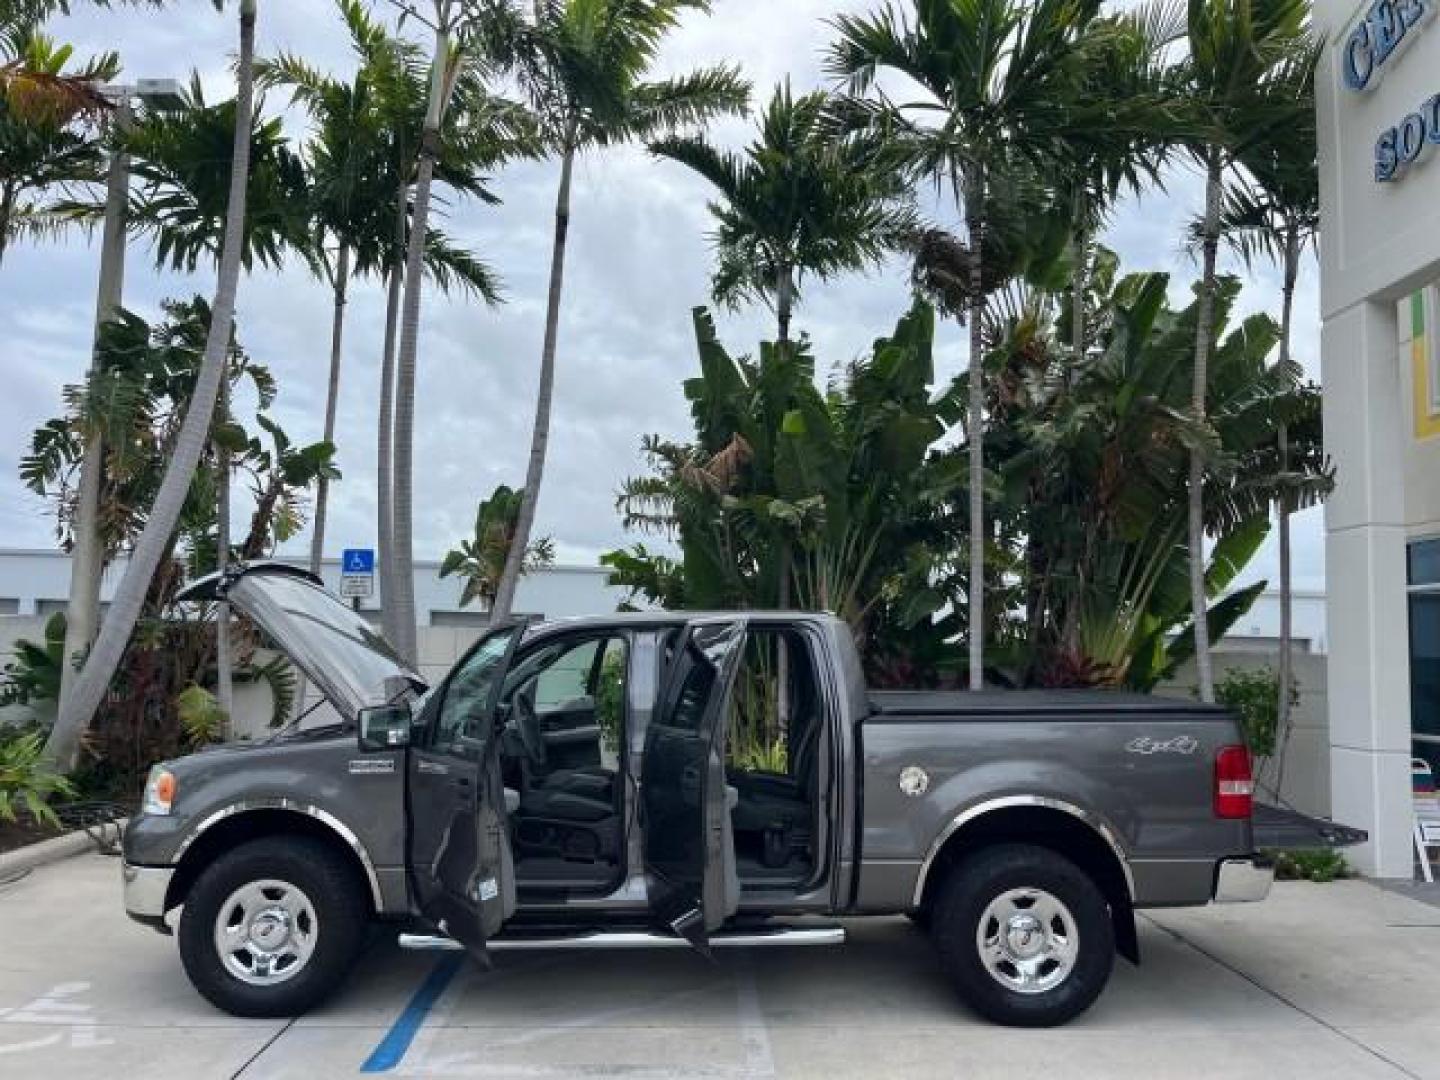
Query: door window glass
(469, 693)
(568, 675)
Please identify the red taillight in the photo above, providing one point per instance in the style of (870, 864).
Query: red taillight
(1234, 783)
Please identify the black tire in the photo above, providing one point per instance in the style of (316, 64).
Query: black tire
(341, 912)
(986, 877)
(920, 917)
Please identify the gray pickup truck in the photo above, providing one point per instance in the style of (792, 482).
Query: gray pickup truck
(569, 785)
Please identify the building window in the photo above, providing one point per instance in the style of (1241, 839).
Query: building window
(46, 608)
(1423, 585)
(9, 605)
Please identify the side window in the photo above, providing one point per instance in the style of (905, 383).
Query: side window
(468, 693)
(568, 677)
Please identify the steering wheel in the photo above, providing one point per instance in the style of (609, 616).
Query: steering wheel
(527, 722)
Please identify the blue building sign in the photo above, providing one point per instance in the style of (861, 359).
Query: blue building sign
(1377, 37)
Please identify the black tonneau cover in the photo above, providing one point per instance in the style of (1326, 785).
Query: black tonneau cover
(934, 704)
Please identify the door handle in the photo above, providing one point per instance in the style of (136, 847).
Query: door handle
(463, 782)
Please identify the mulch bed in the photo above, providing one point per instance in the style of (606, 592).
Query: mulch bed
(17, 834)
(74, 817)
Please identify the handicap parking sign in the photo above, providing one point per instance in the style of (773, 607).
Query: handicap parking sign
(357, 573)
(357, 561)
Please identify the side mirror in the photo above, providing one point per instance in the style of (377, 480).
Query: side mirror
(384, 727)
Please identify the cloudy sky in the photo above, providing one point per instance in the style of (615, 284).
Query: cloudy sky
(638, 262)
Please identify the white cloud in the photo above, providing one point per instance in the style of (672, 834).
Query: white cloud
(639, 262)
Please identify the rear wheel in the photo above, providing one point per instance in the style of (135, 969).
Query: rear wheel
(272, 927)
(1024, 934)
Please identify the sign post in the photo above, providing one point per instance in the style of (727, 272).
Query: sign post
(357, 574)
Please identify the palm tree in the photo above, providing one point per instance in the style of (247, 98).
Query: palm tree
(62, 747)
(1123, 131)
(480, 560)
(182, 166)
(1235, 79)
(1275, 212)
(352, 166)
(990, 86)
(48, 116)
(182, 163)
(797, 201)
(582, 65)
(457, 61)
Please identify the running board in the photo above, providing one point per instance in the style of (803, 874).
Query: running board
(636, 939)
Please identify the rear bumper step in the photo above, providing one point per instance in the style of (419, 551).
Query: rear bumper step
(636, 939)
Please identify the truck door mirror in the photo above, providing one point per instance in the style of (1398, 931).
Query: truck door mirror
(384, 727)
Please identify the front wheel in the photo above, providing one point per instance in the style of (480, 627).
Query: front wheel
(272, 927)
(1024, 934)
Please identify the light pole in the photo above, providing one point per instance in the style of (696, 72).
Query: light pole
(87, 556)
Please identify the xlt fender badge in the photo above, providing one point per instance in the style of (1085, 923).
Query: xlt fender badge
(1179, 744)
(371, 766)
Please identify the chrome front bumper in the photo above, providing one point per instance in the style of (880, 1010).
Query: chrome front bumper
(1241, 881)
(145, 889)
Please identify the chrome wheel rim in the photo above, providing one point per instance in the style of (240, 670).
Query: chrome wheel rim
(1027, 940)
(265, 932)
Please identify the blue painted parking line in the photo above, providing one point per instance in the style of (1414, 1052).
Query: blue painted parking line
(391, 1050)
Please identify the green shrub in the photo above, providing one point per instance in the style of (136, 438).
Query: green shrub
(1254, 694)
(34, 674)
(1319, 865)
(26, 781)
(757, 755)
(610, 698)
(201, 717)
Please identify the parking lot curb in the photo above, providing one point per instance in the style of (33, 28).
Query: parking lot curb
(45, 852)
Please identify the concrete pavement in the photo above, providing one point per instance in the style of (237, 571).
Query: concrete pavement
(1337, 980)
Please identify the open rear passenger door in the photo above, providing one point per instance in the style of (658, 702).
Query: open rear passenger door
(685, 802)
(459, 860)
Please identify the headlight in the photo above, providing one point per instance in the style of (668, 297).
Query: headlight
(159, 791)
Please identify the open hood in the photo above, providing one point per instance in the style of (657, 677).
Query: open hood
(336, 648)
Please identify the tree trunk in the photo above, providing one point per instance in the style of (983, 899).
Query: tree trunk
(540, 436)
(90, 688)
(784, 300)
(224, 675)
(1286, 659)
(385, 456)
(87, 554)
(975, 228)
(402, 541)
(1204, 330)
(7, 211)
(1078, 284)
(332, 397)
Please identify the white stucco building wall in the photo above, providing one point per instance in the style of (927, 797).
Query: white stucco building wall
(1379, 119)
(37, 582)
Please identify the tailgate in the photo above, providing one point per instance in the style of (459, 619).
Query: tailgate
(1281, 829)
